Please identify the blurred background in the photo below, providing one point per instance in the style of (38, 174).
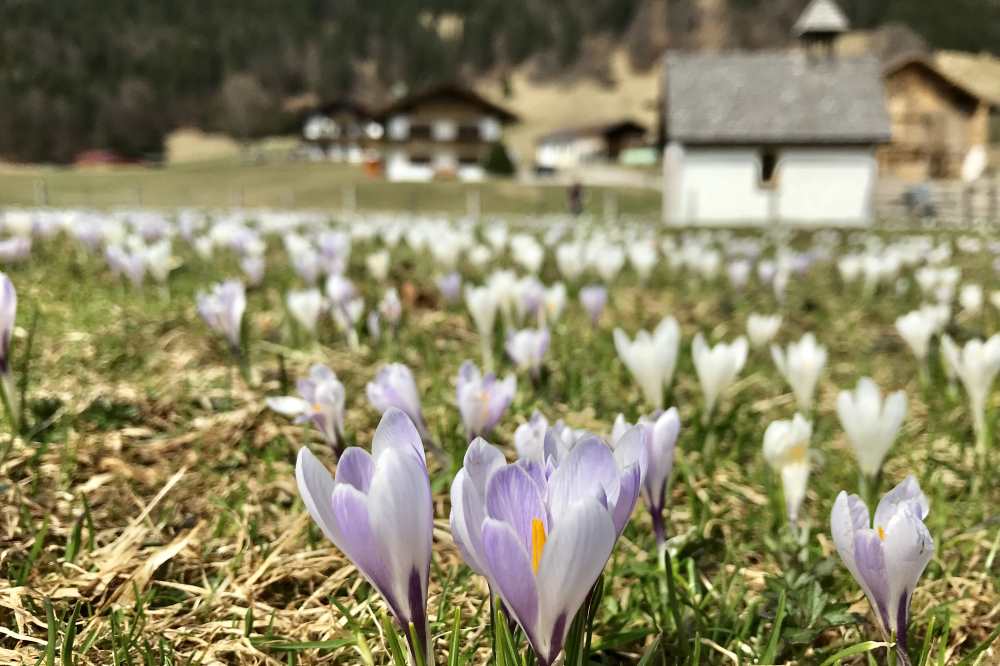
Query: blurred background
(327, 103)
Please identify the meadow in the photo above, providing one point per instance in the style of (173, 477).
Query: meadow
(151, 514)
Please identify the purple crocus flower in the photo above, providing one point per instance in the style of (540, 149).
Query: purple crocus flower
(335, 250)
(8, 314)
(374, 325)
(15, 250)
(222, 309)
(541, 533)
(394, 386)
(886, 556)
(131, 265)
(594, 297)
(450, 286)
(482, 399)
(378, 511)
(253, 266)
(660, 440)
(321, 402)
(527, 348)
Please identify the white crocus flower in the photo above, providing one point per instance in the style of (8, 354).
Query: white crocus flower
(870, 422)
(916, 328)
(554, 302)
(306, 306)
(971, 299)
(651, 358)
(786, 450)
(761, 329)
(717, 367)
(483, 304)
(977, 365)
(801, 366)
(378, 265)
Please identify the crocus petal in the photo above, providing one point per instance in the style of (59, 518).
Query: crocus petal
(356, 468)
(908, 548)
(361, 544)
(512, 573)
(589, 471)
(869, 558)
(575, 554)
(288, 405)
(906, 493)
(401, 514)
(513, 497)
(396, 431)
(316, 489)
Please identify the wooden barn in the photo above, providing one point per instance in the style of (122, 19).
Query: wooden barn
(936, 120)
(444, 131)
(340, 131)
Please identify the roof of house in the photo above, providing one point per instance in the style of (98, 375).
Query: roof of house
(928, 66)
(787, 97)
(978, 72)
(821, 16)
(599, 129)
(447, 92)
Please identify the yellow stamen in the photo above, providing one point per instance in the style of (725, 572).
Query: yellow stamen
(537, 543)
(798, 453)
(881, 533)
(317, 408)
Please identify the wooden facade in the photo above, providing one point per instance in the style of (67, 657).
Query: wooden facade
(935, 121)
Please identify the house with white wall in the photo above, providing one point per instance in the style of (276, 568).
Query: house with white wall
(759, 137)
(445, 131)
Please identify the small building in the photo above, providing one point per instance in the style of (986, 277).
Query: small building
(570, 147)
(444, 131)
(340, 131)
(936, 121)
(761, 136)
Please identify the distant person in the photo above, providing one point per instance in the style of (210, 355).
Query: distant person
(575, 198)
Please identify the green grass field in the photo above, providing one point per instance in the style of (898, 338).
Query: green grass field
(151, 516)
(284, 184)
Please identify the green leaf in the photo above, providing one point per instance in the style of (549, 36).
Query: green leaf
(69, 636)
(53, 633)
(979, 649)
(392, 637)
(454, 655)
(860, 648)
(772, 644)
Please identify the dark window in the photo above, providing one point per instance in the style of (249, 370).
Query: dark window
(420, 159)
(468, 160)
(420, 132)
(768, 168)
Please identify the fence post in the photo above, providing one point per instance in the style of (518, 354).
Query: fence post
(473, 204)
(350, 198)
(610, 207)
(41, 192)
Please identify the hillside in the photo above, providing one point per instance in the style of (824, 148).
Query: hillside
(119, 75)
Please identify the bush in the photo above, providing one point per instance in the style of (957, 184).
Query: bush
(498, 162)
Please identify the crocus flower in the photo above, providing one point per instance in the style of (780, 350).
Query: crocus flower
(660, 440)
(541, 533)
(717, 367)
(222, 309)
(390, 307)
(374, 325)
(483, 304)
(554, 302)
(378, 265)
(378, 511)
(529, 438)
(651, 358)
(970, 297)
(786, 450)
(916, 329)
(886, 556)
(450, 286)
(253, 266)
(871, 424)
(306, 306)
(801, 366)
(320, 401)
(977, 365)
(761, 329)
(527, 348)
(482, 399)
(394, 386)
(8, 314)
(593, 298)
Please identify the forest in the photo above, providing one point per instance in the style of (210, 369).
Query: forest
(119, 75)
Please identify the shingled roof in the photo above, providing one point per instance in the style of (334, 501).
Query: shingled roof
(767, 97)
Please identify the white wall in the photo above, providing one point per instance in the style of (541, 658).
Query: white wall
(568, 153)
(812, 185)
(399, 168)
